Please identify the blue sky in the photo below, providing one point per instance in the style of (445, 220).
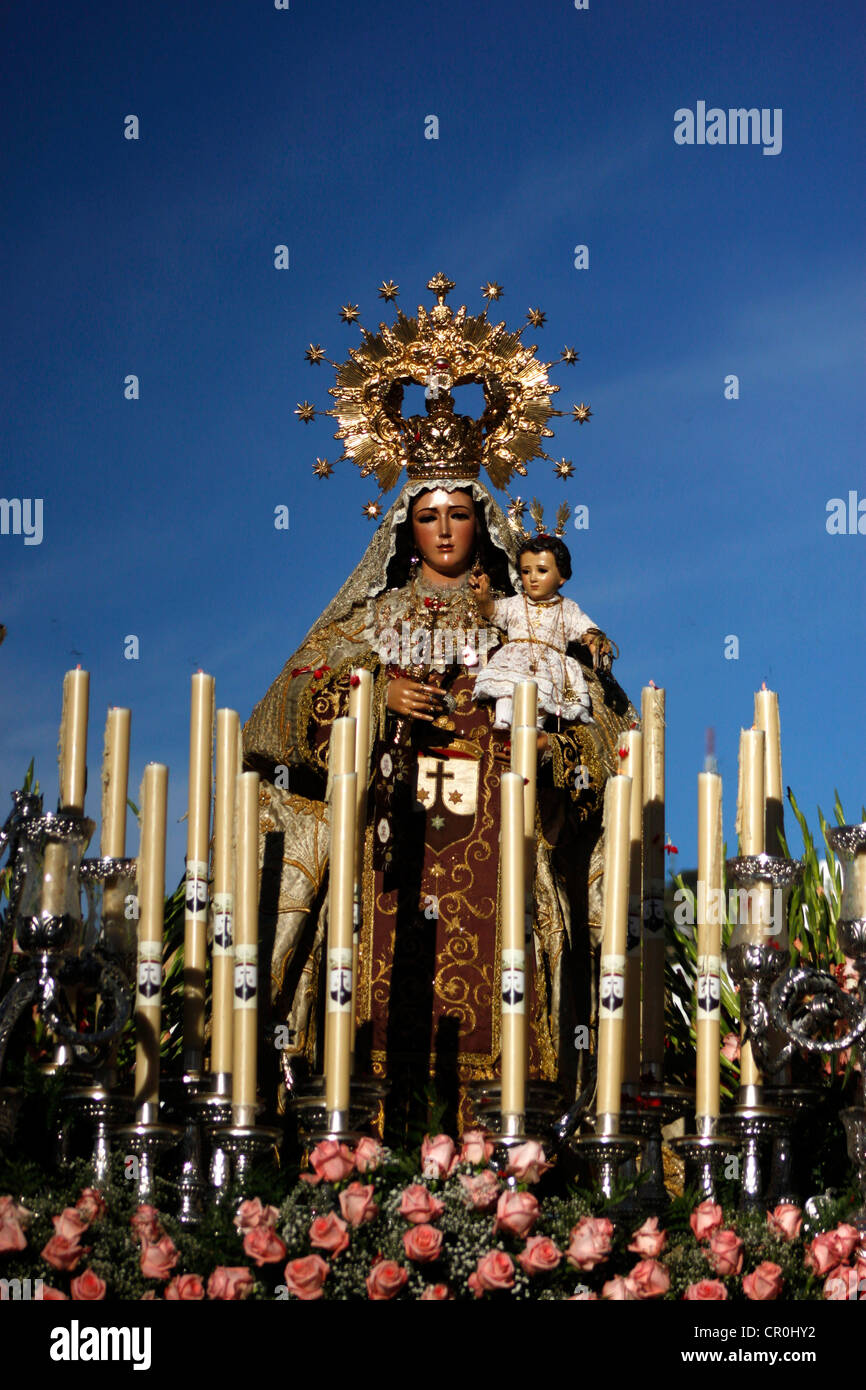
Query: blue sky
(556, 128)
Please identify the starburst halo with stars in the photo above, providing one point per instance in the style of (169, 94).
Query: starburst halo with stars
(403, 353)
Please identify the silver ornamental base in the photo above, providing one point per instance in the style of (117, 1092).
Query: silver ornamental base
(147, 1141)
(606, 1155)
(244, 1144)
(540, 1118)
(105, 1109)
(316, 1122)
(752, 1126)
(662, 1105)
(704, 1156)
(854, 1120)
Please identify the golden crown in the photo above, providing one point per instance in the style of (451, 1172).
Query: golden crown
(441, 349)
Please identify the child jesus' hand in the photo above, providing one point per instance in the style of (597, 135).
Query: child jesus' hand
(480, 586)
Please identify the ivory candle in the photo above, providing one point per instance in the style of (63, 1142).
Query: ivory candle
(767, 719)
(525, 705)
(246, 961)
(750, 825)
(653, 884)
(361, 710)
(513, 963)
(611, 994)
(223, 958)
(198, 837)
(341, 754)
(151, 897)
(72, 757)
(709, 926)
(340, 983)
(115, 792)
(524, 761)
(631, 765)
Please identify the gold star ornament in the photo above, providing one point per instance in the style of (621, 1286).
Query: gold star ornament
(570, 355)
(322, 468)
(371, 510)
(536, 318)
(491, 290)
(349, 313)
(388, 290)
(563, 469)
(305, 411)
(581, 413)
(314, 353)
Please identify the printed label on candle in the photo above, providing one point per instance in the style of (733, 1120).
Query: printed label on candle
(196, 889)
(149, 974)
(611, 992)
(339, 981)
(632, 940)
(246, 976)
(709, 987)
(513, 982)
(223, 924)
(654, 915)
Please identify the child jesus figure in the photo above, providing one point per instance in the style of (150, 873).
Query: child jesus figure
(539, 624)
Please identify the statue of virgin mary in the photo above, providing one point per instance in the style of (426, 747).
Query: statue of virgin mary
(429, 988)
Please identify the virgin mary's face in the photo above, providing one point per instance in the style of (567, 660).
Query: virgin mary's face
(443, 527)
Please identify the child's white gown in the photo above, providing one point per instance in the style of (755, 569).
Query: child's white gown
(550, 625)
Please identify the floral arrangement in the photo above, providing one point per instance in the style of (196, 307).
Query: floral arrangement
(365, 1223)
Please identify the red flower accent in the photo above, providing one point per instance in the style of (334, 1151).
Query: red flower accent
(623, 752)
(671, 849)
(354, 681)
(320, 671)
(301, 670)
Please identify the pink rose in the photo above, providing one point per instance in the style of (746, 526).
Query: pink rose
(70, 1224)
(158, 1258)
(91, 1204)
(50, 1295)
(437, 1156)
(369, 1154)
(481, 1190)
(785, 1221)
(185, 1288)
(251, 1214)
(332, 1161)
(10, 1210)
(846, 1239)
(731, 1047)
(422, 1244)
(357, 1205)
(516, 1213)
(648, 1240)
(419, 1206)
(436, 1293)
(822, 1254)
(706, 1291)
(494, 1274)
(305, 1277)
(590, 1242)
(764, 1283)
(705, 1218)
(145, 1224)
(526, 1162)
(619, 1290)
(62, 1253)
(264, 1246)
(385, 1280)
(12, 1235)
(329, 1233)
(539, 1256)
(649, 1279)
(87, 1288)
(476, 1148)
(843, 1285)
(725, 1253)
(230, 1283)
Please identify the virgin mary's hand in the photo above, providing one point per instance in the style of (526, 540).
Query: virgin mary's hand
(413, 698)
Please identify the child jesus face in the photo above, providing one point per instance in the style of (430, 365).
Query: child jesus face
(540, 575)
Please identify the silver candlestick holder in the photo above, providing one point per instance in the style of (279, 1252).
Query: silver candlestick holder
(317, 1122)
(538, 1121)
(656, 1107)
(704, 1154)
(146, 1141)
(606, 1152)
